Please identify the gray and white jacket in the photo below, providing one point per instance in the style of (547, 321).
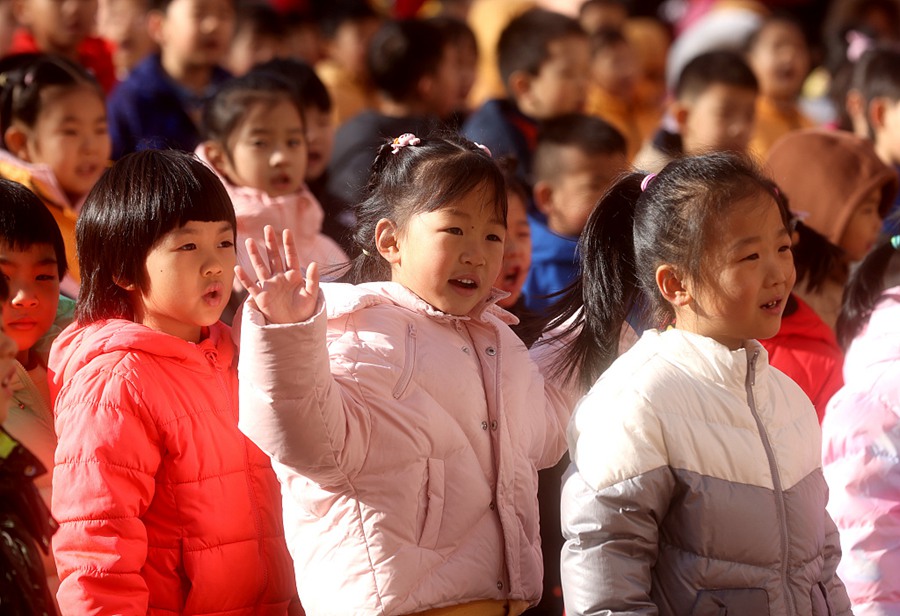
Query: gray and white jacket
(696, 488)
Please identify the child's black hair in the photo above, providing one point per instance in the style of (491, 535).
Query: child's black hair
(23, 79)
(524, 44)
(418, 178)
(401, 53)
(589, 134)
(712, 68)
(332, 15)
(878, 271)
(225, 110)
(629, 235)
(25, 222)
(456, 31)
(779, 16)
(302, 78)
(136, 202)
(877, 75)
(261, 20)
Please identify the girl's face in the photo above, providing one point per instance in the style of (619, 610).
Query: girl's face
(750, 273)
(188, 279)
(780, 59)
(59, 26)
(7, 370)
(320, 141)
(516, 252)
(449, 257)
(863, 228)
(70, 136)
(268, 150)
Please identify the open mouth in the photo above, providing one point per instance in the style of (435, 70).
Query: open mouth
(213, 297)
(775, 303)
(464, 283)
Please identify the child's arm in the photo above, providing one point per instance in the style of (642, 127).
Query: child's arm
(614, 496)
(291, 406)
(103, 481)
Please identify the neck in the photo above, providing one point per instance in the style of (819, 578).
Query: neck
(47, 46)
(27, 358)
(400, 109)
(884, 153)
(191, 76)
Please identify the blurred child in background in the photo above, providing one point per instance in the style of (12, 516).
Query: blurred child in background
(602, 15)
(860, 434)
(839, 188)
(460, 36)
(713, 110)
(577, 158)
(260, 34)
(160, 102)
(544, 60)
(55, 139)
(123, 24)
(779, 55)
(517, 247)
(64, 29)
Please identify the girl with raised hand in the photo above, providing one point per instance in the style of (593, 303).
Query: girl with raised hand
(696, 485)
(54, 138)
(164, 506)
(405, 419)
(861, 434)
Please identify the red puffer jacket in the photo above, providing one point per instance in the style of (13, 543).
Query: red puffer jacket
(164, 506)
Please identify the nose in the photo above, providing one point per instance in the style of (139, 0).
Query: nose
(278, 157)
(473, 253)
(213, 266)
(24, 297)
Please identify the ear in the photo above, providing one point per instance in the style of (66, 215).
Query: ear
(155, 22)
(519, 83)
(215, 153)
(543, 197)
(386, 241)
(876, 112)
(680, 113)
(16, 140)
(671, 286)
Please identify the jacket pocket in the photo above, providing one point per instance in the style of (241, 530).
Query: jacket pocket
(434, 503)
(818, 598)
(731, 602)
(409, 365)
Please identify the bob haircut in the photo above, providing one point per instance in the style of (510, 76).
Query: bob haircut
(25, 222)
(136, 202)
(419, 178)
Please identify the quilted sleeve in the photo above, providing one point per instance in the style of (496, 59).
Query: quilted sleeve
(103, 482)
(614, 496)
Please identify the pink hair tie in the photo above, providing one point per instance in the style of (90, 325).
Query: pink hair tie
(646, 181)
(404, 140)
(857, 44)
(486, 149)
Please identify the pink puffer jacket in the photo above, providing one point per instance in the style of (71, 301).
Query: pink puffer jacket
(861, 449)
(164, 506)
(408, 447)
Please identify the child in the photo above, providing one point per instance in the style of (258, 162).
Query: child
(877, 78)
(517, 247)
(159, 103)
(25, 522)
(347, 30)
(260, 35)
(577, 158)
(414, 69)
(163, 505)
(54, 137)
(319, 123)
(779, 55)
(612, 91)
(713, 110)
(255, 141)
(696, 483)
(123, 24)
(602, 15)
(32, 262)
(407, 491)
(860, 434)
(460, 36)
(841, 190)
(544, 60)
(64, 29)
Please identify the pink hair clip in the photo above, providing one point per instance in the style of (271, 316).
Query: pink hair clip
(646, 181)
(404, 140)
(486, 149)
(857, 44)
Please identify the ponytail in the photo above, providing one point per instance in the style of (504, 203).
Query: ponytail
(593, 308)
(864, 289)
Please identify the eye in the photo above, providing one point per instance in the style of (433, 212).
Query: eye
(186, 247)
(752, 257)
(785, 248)
(45, 277)
(454, 231)
(257, 143)
(493, 237)
(226, 244)
(295, 143)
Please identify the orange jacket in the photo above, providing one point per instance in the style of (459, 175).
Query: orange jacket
(164, 506)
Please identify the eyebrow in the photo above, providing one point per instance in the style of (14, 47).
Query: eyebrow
(225, 227)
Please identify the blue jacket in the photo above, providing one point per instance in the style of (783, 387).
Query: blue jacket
(554, 266)
(494, 124)
(148, 110)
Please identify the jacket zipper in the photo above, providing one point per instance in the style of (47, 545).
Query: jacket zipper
(410, 364)
(749, 383)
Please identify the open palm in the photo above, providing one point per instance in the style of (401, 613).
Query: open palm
(280, 291)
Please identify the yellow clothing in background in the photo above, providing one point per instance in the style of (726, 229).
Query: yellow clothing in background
(348, 96)
(772, 123)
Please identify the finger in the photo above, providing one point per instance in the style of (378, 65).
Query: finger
(245, 280)
(275, 262)
(257, 260)
(312, 279)
(290, 251)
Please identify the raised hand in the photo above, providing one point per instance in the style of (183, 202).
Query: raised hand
(280, 290)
